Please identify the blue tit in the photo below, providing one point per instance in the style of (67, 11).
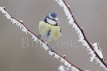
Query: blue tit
(49, 28)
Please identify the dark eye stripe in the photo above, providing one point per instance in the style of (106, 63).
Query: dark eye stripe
(52, 19)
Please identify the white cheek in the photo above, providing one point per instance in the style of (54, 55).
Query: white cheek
(51, 21)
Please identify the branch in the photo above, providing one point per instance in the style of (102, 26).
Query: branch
(25, 29)
(92, 48)
(63, 68)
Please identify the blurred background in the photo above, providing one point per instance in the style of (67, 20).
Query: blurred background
(18, 52)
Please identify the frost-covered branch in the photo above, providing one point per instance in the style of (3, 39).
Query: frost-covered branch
(63, 68)
(25, 29)
(93, 49)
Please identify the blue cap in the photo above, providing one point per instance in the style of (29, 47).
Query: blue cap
(54, 15)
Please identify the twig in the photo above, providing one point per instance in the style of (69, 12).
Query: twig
(97, 55)
(36, 38)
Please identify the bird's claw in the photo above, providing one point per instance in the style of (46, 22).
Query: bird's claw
(39, 36)
(50, 48)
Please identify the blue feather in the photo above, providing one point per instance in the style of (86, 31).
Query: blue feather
(54, 15)
(45, 19)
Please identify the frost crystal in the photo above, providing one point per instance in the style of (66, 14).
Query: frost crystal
(61, 68)
(74, 69)
(44, 45)
(62, 60)
(98, 49)
(101, 64)
(92, 57)
(57, 56)
(51, 53)
(3, 11)
(65, 62)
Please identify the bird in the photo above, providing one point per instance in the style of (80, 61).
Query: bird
(49, 28)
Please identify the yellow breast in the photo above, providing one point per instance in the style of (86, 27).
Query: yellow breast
(54, 31)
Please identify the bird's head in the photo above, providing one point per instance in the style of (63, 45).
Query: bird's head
(52, 19)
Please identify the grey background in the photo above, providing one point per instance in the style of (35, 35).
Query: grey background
(14, 56)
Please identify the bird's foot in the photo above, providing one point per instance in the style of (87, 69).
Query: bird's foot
(39, 36)
(50, 48)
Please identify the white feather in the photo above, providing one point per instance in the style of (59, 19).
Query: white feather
(50, 21)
